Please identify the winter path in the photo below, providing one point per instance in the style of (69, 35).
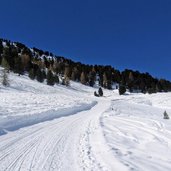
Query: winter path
(73, 143)
(44, 128)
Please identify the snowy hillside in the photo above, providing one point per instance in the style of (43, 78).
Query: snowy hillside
(44, 128)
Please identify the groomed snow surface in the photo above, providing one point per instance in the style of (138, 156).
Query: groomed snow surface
(44, 128)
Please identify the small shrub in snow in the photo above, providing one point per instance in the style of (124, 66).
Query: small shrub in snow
(166, 116)
(95, 94)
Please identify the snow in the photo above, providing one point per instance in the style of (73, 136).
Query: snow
(44, 128)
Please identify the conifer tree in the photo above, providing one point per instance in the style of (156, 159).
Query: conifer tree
(56, 79)
(67, 81)
(5, 64)
(18, 68)
(104, 80)
(122, 89)
(67, 72)
(92, 78)
(166, 116)
(44, 73)
(5, 80)
(6, 53)
(131, 77)
(50, 78)
(63, 81)
(83, 78)
(73, 76)
(39, 75)
(32, 74)
(100, 91)
(1, 50)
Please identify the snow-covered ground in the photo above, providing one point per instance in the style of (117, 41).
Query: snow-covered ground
(44, 128)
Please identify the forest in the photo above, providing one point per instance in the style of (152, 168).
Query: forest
(45, 66)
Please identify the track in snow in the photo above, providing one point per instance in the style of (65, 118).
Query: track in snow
(62, 144)
(138, 135)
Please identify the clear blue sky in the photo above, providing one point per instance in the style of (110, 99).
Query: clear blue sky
(133, 34)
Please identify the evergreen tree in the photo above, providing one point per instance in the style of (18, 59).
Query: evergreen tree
(83, 78)
(6, 54)
(166, 116)
(67, 81)
(131, 77)
(50, 78)
(5, 64)
(92, 78)
(56, 79)
(109, 84)
(5, 80)
(1, 51)
(130, 82)
(122, 89)
(67, 72)
(44, 73)
(39, 75)
(104, 80)
(74, 75)
(63, 81)
(100, 91)
(32, 74)
(18, 68)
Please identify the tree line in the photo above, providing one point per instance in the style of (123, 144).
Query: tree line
(43, 65)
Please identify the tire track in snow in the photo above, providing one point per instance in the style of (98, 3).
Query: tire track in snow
(61, 144)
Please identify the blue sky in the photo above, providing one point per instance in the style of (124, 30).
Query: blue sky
(134, 34)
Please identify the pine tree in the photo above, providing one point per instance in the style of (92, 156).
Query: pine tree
(39, 75)
(104, 80)
(130, 82)
(166, 116)
(44, 73)
(131, 77)
(63, 81)
(6, 58)
(83, 78)
(5, 64)
(56, 79)
(100, 91)
(5, 80)
(73, 76)
(18, 68)
(122, 89)
(92, 78)
(32, 74)
(1, 50)
(50, 78)
(67, 81)
(67, 72)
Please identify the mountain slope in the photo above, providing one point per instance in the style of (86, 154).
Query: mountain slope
(43, 65)
(85, 133)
